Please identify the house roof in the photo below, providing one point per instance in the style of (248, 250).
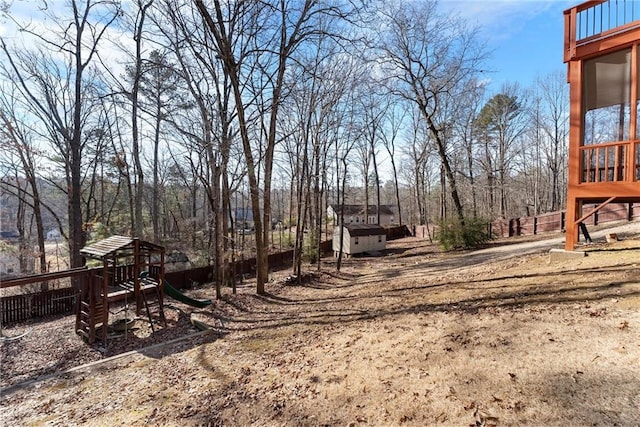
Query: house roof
(243, 214)
(113, 244)
(9, 235)
(359, 209)
(365, 230)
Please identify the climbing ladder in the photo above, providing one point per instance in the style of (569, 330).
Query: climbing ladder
(146, 283)
(92, 311)
(88, 319)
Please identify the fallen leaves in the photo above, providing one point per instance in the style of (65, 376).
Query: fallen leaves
(624, 325)
(434, 345)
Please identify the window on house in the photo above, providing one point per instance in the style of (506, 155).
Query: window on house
(357, 219)
(355, 240)
(379, 239)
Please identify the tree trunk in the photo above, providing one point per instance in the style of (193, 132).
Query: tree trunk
(440, 143)
(135, 151)
(397, 188)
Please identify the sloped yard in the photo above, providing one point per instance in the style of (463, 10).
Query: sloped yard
(414, 337)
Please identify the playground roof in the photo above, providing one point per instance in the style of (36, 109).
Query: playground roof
(117, 244)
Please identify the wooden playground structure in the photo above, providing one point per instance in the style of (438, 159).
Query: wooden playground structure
(131, 270)
(602, 52)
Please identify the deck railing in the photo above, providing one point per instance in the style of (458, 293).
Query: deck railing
(598, 19)
(604, 162)
(608, 162)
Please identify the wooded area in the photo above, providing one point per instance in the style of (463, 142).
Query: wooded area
(162, 119)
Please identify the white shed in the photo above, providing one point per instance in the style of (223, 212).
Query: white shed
(359, 238)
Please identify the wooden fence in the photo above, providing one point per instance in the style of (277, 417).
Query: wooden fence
(548, 222)
(277, 261)
(30, 305)
(555, 221)
(18, 308)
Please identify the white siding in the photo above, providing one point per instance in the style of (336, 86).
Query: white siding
(358, 244)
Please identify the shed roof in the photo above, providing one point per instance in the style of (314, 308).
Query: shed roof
(365, 230)
(113, 244)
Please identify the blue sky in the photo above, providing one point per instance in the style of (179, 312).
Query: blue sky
(526, 36)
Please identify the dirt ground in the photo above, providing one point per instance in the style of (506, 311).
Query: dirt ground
(412, 337)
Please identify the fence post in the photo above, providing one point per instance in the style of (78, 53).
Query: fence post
(535, 225)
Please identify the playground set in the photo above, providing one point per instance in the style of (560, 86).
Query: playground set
(132, 272)
(601, 49)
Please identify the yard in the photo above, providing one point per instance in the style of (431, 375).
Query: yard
(413, 337)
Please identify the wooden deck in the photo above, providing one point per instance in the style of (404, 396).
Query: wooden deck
(126, 290)
(604, 163)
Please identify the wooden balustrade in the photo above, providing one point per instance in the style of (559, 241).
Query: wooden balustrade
(604, 162)
(596, 20)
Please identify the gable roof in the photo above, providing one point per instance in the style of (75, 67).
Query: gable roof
(359, 209)
(365, 230)
(9, 235)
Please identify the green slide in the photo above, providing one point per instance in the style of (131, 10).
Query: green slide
(176, 294)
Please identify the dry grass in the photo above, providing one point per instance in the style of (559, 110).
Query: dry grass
(412, 338)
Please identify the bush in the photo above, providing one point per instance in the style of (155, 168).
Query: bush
(288, 239)
(453, 235)
(310, 255)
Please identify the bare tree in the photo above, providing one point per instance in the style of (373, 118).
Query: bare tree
(394, 121)
(159, 97)
(429, 56)
(343, 149)
(54, 80)
(554, 93)
(503, 121)
(212, 129)
(114, 214)
(419, 152)
(255, 43)
(17, 140)
(317, 86)
(372, 110)
(141, 14)
(466, 131)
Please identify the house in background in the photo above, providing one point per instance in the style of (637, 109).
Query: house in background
(54, 235)
(243, 219)
(11, 236)
(355, 214)
(359, 238)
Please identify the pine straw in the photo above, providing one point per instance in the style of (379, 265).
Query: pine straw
(412, 338)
